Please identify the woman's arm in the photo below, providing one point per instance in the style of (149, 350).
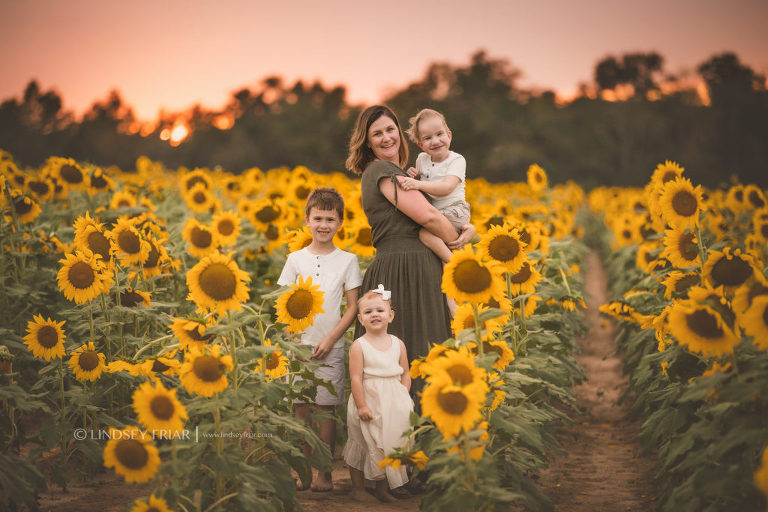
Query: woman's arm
(356, 380)
(416, 206)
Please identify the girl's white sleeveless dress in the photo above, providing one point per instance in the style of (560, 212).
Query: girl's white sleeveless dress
(371, 441)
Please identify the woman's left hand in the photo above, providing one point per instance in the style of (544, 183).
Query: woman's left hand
(468, 232)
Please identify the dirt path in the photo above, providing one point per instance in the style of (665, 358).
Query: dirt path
(603, 469)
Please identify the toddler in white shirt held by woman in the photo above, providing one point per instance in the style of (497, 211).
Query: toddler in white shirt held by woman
(439, 172)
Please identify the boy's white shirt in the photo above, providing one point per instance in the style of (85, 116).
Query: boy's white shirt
(336, 273)
(453, 165)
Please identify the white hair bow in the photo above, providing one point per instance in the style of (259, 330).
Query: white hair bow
(385, 294)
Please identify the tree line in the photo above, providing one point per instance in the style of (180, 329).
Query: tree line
(614, 132)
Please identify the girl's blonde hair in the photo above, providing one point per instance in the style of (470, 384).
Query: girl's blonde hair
(413, 123)
(370, 294)
(360, 154)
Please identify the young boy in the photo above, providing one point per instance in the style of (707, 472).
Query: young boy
(337, 272)
(439, 172)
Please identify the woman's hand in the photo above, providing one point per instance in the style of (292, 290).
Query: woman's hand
(365, 413)
(468, 232)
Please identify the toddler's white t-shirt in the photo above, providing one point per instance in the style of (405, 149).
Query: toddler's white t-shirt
(453, 165)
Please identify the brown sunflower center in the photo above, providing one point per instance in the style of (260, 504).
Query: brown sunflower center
(537, 177)
(218, 281)
(226, 227)
(669, 176)
(755, 199)
(452, 402)
(627, 234)
(39, 187)
(23, 205)
(469, 322)
(99, 244)
(129, 241)
(153, 257)
(47, 336)
(200, 197)
(471, 277)
(504, 248)
(364, 236)
(194, 180)
(686, 282)
(207, 368)
(687, 247)
(159, 366)
(460, 374)
(731, 272)
(98, 182)
(299, 304)
(81, 275)
(522, 275)
(201, 238)
(684, 203)
(195, 335)
(267, 214)
(131, 454)
(495, 220)
(272, 233)
(704, 324)
(488, 347)
(162, 407)
(272, 361)
(71, 174)
(131, 298)
(302, 192)
(88, 360)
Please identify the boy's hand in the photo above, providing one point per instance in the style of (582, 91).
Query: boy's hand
(412, 172)
(321, 350)
(409, 184)
(365, 413)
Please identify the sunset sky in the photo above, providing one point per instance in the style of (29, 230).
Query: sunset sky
(171, 54)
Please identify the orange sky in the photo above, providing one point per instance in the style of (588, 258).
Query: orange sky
(172, 54)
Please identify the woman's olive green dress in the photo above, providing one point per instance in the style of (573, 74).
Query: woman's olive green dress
(405, 266)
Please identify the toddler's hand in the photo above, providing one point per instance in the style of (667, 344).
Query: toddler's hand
(409, 184)
(365, 413)
(412, 172)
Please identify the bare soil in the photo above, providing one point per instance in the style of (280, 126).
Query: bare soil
(603, 470)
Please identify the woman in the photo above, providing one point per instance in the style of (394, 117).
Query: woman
(404, 265)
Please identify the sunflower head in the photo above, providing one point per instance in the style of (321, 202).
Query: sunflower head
(153, 504)
(45, 338)
(298, 306)
(273, 364)
(83, 276)
(131, 452)
(297, 239)
(128, 242)
(681, 247)
(681, 203)
(451, 407)
(503, 245)
(226, 225)
(158, 408)
(217, 284)
(704, 323)
(469, 278)
(204, 371)
(200, 199)
(201, 239)
(537, 178)
(729, 268)
(87, 363)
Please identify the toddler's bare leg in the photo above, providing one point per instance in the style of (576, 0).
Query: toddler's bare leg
(358, 492)
(435, 244)
(382, 491)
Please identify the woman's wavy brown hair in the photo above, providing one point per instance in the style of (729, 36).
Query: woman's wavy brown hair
(360, 154)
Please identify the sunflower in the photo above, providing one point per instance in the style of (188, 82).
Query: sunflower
(468, 278)
(226, 225)
(701, 328)
(479, 438)
(217, 284)
(298, 239)
(98, 181)
(157, 258)
(122, 199)
(681, 203)
(131, 452)
(531, 303)
(460, 366)
(152, 504)
(40, 187)
(754, 321)
(273, 364)
(761, 475)
(45, 338)
(451, 407)
(360, 239)
(729, 269)
(68, 171)
(82, 277)
(266, 211)
(158, 408)
(677, 283)
(681, 247)
(204, 371)
(128, 243)
(620, 311)
(298, 306)
(89, 234)
(524, 280)
(746, 293)
(537, 178)
(87, 363)
(200, 199)
(201, 239)
(502, 245)
(754, 197)
(464, 318)
(532, 234)
(191, 333)
(131, 298)
(498, 347)
(25, 208)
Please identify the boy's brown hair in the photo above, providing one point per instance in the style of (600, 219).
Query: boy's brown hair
(325, 198)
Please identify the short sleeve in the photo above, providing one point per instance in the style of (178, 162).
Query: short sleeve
(289, 273)
(380, 169)
(421, 162)
(352, 276)
(457, 167)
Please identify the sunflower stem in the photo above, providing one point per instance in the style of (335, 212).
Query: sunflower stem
(701, 247)
(565, 281)
(233, 350)
(151, 343)
(478, 334)
(219, 449)
(61, 385)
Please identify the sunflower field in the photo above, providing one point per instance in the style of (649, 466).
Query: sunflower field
(688, 277)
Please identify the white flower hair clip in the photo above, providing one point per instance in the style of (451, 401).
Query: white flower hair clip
(385, 294)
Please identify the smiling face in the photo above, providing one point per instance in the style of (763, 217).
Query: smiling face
(384, 139)
(323, 224)
(375, 314)
(434, 138)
